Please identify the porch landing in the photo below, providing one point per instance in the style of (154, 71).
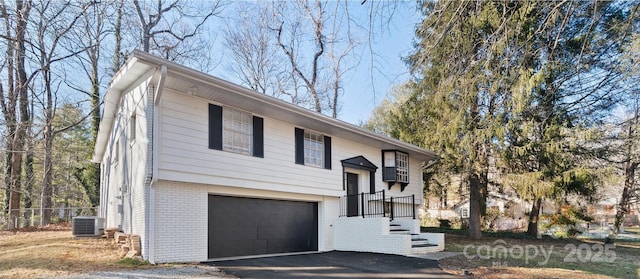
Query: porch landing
(380, 235)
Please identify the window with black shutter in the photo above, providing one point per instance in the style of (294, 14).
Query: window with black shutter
(395, 168)
(312, 149)
(235, 131)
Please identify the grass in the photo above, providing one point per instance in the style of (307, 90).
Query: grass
(52, 252)
(130, 262)
(564, 258)
(632, 230)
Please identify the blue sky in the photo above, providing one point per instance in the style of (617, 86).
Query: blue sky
(367, 84)
(366, 88)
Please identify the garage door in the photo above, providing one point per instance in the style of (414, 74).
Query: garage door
(248, 226)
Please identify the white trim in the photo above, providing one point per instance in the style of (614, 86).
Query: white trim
(152, 223)
(160, 86)
(263, 256)
(140, 60)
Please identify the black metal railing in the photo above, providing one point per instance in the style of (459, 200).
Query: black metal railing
(402, 207)
(367, 205)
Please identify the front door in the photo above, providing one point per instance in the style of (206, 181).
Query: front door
(352, 194)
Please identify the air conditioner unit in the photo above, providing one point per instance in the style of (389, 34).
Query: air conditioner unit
(87, 226)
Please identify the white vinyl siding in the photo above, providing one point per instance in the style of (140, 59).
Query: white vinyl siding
(237, 131)
(313, 149)
(184, 156)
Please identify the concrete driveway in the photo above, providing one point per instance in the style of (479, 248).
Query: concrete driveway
(334, 265)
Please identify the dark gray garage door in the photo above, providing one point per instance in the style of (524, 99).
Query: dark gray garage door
(248, 226)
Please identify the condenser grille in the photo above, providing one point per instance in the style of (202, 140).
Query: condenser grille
(84, 226)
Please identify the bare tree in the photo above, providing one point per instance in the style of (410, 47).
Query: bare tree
(310, 78)
(631, 163)
(337, 56)
(55, 22)
(297, 51)
(9, 100)
(164, 27)
(254, 56)
(15, 101)
(90, 37)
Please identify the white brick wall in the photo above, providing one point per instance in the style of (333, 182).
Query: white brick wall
(369, 235)
(413, 225)
(123, 180)
(434, 238)
(181, 223)
(181, 218)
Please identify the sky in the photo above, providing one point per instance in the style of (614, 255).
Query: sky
(361, 95)
(367, 84)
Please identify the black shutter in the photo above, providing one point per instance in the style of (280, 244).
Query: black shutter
(215, 127)
(372, 182)
(299, 146)
(327, 152)
(258, 137)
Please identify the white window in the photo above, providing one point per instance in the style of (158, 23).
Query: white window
(116, 153)
(132, 127)
(313, 149)
(402, 167)
(237, 131)
(464, 212)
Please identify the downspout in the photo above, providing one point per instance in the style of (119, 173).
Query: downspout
(152, 157)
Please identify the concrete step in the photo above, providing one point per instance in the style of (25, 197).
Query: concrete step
(399, 231)
(415, 236)
(422, 245)
(426, 249)
(419, 242)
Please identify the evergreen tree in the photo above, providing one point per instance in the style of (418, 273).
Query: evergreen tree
(517, 82)
(456, 106)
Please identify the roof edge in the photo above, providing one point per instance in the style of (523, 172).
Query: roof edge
(152, 59)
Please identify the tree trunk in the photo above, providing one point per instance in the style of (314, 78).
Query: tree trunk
(8, 109)
(22, 88)
(29, 180)
(92, 185)
(475, 197)
(47, 181)
(117, 33)
(532, 229)
(7, 173)
(623, 205)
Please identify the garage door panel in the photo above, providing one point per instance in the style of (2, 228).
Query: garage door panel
(235, 232)
(248, 226)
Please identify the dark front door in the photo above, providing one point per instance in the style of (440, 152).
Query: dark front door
(246, 226)
(352, 194)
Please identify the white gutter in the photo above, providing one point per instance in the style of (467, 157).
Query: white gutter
(160, 87)
(279, 104)
(111, 102)
(152, 159)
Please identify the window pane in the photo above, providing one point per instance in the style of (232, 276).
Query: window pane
(237, 131)
(313, 149)
(402, 167)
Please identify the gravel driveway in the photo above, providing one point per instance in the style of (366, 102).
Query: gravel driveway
(174, 271)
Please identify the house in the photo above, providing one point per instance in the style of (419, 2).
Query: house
(512, 211)
(201, 169)
(604, 212)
